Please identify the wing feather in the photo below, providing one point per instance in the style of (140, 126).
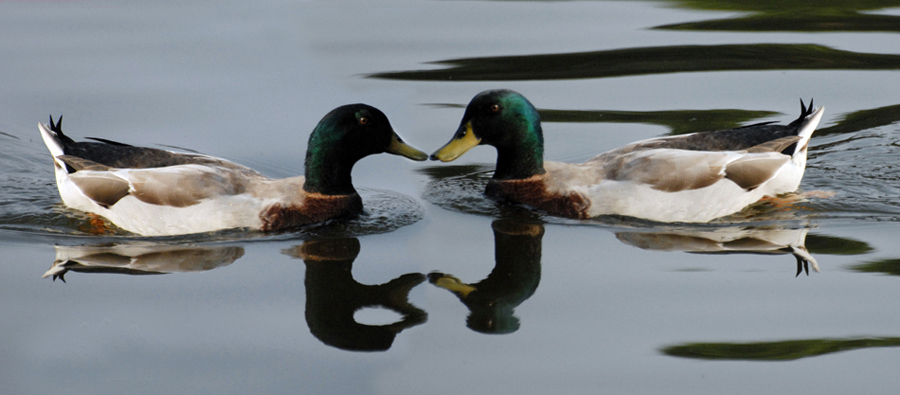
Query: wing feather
(752, 170)
(177, 186)
(101, 187)
(670, 170)
(184, 185)
(674, 170)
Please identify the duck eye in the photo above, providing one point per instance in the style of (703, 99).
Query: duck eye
(363, 120)
(495, 108)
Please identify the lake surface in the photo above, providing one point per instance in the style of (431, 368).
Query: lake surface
(436, 289)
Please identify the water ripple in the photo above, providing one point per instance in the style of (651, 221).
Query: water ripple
(862, 169)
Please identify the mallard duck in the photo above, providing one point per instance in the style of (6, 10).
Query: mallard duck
(154, 192)
(690, 178)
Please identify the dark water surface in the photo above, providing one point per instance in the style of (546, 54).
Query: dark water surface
(437, 289)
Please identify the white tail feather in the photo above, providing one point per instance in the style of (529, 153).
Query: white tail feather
(51, 139)
(809, 126)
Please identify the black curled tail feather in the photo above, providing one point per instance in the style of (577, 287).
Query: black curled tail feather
(57, 128)
(804, 112)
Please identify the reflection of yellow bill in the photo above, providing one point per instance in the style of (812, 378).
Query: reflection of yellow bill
(453, 284)
(398, 147)
(458, 146)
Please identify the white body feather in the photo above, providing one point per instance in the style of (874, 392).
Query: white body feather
(637, 193)
(220, 208)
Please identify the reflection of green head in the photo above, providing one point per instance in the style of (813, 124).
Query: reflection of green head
(495, 319)
(515, 277)
(333, 297)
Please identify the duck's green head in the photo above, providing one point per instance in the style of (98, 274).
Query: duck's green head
(507, 121)
(344, 136)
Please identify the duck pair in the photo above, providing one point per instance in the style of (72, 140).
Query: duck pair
(691, 178)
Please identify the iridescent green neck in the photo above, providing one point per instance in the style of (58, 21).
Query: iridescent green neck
(328, 166)
(521, 155)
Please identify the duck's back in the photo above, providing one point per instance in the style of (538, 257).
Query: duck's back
(742, 138)
(696, 177)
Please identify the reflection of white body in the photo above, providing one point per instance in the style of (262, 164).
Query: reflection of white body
(725, 240)
(150, 258)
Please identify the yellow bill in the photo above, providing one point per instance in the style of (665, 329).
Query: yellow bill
(398, 147)
(457, 146)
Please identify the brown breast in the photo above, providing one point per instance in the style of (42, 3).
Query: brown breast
(533, 192)
(315, 208)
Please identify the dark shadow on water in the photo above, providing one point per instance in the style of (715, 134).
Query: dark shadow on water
(514, 278)
(889, 267)
(140, 258)
(333, 296)
(678, 121)
(792, 16)
(649, 60)
(787, 350)
(831, 245)
(862, 120)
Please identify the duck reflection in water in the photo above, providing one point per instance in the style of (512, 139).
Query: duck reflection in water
(728, 240)
(140, 258)
(333, 296)
(516, 274)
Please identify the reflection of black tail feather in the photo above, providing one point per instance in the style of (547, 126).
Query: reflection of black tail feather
(803, 262)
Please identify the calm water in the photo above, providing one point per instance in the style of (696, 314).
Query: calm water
(436, 289)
